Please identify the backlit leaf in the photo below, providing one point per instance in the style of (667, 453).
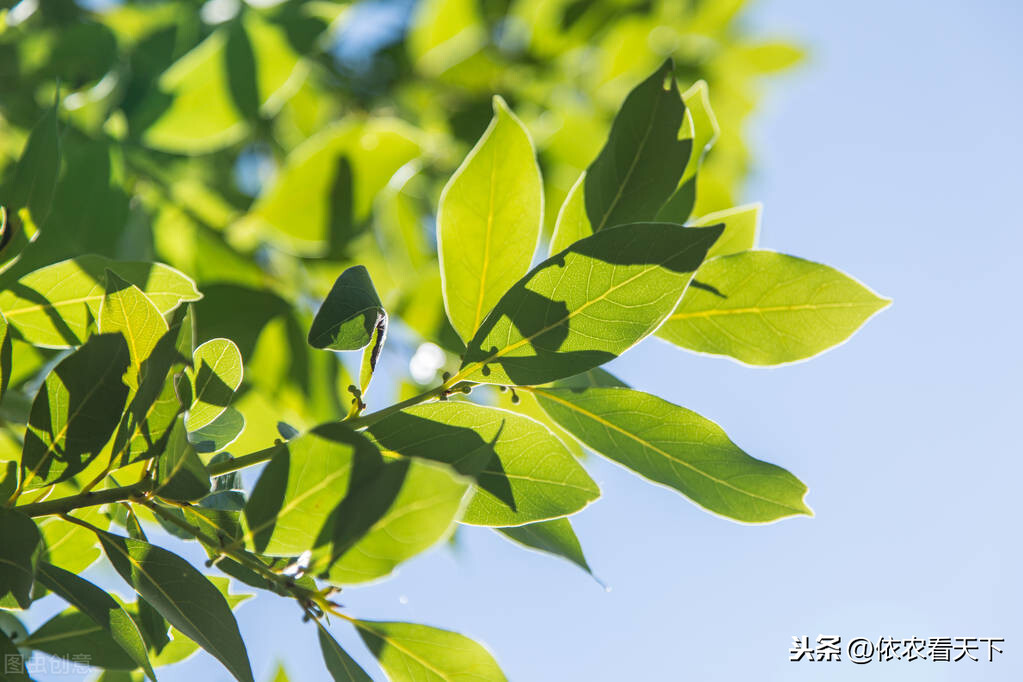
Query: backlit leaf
(523, 473)
(180, 474)
(766, 308)
(587, 304)
(51, 307)
(183, 596)
(554, 537)
(75, 411)
(127, 310)
(741, 229)
(35, 177)
(413, 653)
(217, 375)
(341, 666)
(644, 157)
(348, 317)
(678, 448)
(488, 221)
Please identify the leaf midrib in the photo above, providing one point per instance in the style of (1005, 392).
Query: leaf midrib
(611, 425)
(754, 310)
(472, 367)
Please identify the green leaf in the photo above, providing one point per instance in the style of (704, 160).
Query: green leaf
(766, 308)
(644, 157)
(127, 310)
(35, 177)
(6, 353)
(73, 633)
(180, 474)
(101, 608)
(52, 306)
(341, 666)
(349, 316)
(705, 131)
(554, 537)
(405, 508)
(20, 547)
(301, 486)
(488, 221)
(183, 596)
(741, 225)
(218, 374)
(412, 653)
(572, 224)
(338, 173)
(69, 545)
(587, 304)
(15, 664)
(152, 410)
(678, 448)
(219, 433)
(75, 411)
(523, 473)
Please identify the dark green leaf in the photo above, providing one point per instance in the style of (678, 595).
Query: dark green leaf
(587, 304)
(678, 448)
(14, 663)
(180, 474)
(183, 596)
(75, 411)
(350, 315)
(35, 178)
(644, 158)
(5, 355)
(341, 666)
(73, 633)
(20, 548)
(101, 608)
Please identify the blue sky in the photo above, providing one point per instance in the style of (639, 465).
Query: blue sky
(894, 155)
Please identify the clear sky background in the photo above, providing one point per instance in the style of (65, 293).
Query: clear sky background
(893, 154)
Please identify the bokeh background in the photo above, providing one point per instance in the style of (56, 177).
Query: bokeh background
(892, 152)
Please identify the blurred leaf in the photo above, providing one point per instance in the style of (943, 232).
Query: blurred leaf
(20, 548)
(586, 305)
(218, 374)
(6, 352)
(677, 448)
(15, 671)
(488, 221)
(75, 411)
(101, 608)
(554, 537)
(183, 596)
(408, 653)
(523, 473)
(338, 173)
(766, 308)
(52, 306)
(35, 178)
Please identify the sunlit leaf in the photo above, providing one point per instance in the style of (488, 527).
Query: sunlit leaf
(180, 474)
(766, 308)
(52, 306)
(554, 537)
(644, 157)
(587, 304)
(741, 229)
(523, 473)
(75, 411)
(125, 309)
(348, 317)
(410, 653)
(183, 596)
(678, 448)
(218, 374)
(488, 221)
